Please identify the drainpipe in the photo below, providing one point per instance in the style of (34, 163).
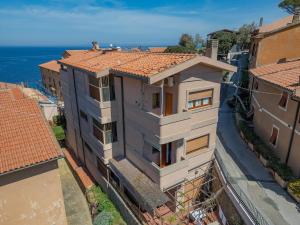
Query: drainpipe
(78, 115)
(293, 134)
(162, 98)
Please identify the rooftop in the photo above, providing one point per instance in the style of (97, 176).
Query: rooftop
(157, 49)
(276, 25)
(285, 75)
(52, 65)
(25, 138)
(145, 64)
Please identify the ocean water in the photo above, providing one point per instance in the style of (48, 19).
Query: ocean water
(20, 64)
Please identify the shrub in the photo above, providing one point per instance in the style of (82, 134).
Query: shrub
(98, 198)
(294, 186)
(248, 132)
(59, 132)
(283, 171)
(103, 218)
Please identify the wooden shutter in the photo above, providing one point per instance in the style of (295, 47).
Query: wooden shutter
(283, 99)
(273, 138)
(200, 94)
(197, 144)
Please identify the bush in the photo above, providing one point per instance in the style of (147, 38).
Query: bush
(294, 186)
(179, 49)
(248, 132)
(59, 132)
(99, 199)
(103, 218)
(283, 171)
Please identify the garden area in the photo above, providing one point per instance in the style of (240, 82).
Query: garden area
(102, 209)
(58, 127)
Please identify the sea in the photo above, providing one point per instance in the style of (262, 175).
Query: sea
(20, 64)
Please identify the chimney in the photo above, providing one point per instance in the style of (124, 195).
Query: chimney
(296, 17)
(261, 21)
(212, 49)
(95, 45)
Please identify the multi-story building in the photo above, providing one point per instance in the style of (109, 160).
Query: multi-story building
(149, 119)
(275, 42)
(276, 101)
(51, 78)
(30, 186)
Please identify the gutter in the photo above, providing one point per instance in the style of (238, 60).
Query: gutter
(32, 165)
(293, 133)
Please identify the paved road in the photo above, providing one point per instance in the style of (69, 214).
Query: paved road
(75, 202)
(276, 206)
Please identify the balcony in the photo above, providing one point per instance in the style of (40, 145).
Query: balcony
(166, 174)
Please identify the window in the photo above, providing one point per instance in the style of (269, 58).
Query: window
(102, 167)
(115, 179)
(94, 87)
(200, 99)
(197, 144)
(105, 133)
(155, 100)
(63, 67)
(103, 84)
(274, 136)
(283, 100)
(83, 115)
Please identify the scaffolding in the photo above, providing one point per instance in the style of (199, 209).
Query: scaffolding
(193, 201)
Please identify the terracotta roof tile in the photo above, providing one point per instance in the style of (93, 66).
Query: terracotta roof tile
(157, 49)
(25, 138)
(52, 65)
(285, 75)
(139, 63)
(276, 25)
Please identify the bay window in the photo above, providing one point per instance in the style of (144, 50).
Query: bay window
(102, 89)
(105, 133)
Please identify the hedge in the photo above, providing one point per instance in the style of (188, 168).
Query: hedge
(294, 186)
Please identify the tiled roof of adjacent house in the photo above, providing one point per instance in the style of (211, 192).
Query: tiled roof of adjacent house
(157, 49)
(145, 64)
(25, 138)
(276, 25)
(285, 75)
(74, 52)
(52, 65)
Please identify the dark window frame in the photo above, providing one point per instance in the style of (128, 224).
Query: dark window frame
(155, 100)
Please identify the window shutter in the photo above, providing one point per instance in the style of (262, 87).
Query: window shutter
(197, 144)
(283, 99)
(273, 137)
(200, 94)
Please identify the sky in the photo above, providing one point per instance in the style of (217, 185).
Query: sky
(120, 22)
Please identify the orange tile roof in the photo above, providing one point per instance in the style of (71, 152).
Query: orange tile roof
(138, 63)
(157, 49)
(25, 138)
(276, 25)
(285, 75)
(52, 65)
(74, 52)
(4, 85)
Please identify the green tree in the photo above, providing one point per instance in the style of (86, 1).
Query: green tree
(226, 41)
(244, 35)
(290, 5)
(187, 41)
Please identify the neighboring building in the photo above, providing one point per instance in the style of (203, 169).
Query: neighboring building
(275, 98)
(275, 42)
(149, 119)
(157, 49)
(30, 186)
(51, 78)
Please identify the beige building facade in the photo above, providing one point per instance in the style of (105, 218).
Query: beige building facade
(276, 102)
(149, 113)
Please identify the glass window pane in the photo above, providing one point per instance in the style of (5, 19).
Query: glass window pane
(197, 103)
(98, 134)
(190, 104)
(105, 94)
(205, 101)
(105, 81)
(94, 92)
(94, 81)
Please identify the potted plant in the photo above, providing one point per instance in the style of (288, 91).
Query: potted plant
(293, 189)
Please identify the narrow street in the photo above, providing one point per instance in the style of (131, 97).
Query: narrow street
(76, 206)
(274, 203)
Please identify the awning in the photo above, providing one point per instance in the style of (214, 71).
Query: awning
(145, 191)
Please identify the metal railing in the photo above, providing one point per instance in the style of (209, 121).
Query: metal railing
(252, 211)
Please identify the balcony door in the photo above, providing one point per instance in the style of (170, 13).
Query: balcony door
(169, 104)
(166, 151)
